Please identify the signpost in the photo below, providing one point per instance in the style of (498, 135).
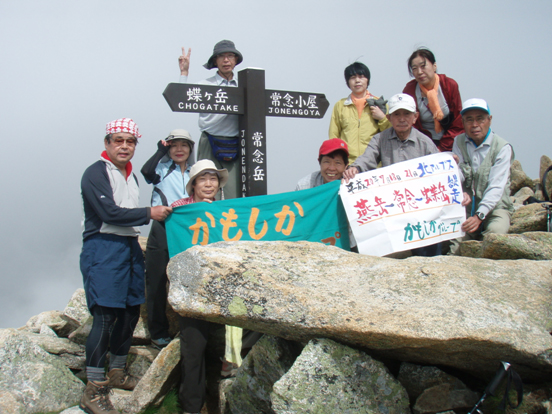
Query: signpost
(253, 103)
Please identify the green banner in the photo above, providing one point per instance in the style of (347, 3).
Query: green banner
(314, 215)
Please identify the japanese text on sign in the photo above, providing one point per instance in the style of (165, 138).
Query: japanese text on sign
(314, 215)
(299, 104)
(410, 204)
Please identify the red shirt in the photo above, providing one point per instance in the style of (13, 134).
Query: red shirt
(454, 102)
(183, 201)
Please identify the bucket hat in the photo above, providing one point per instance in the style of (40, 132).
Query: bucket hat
(224, 46)
(203, 166)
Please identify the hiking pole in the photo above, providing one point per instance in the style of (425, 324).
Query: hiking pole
(491, 388)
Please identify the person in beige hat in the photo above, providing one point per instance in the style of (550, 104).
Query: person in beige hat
(169, 172)
(205, 182)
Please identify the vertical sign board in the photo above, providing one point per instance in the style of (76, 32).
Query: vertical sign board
(253, 103)
(253, 133)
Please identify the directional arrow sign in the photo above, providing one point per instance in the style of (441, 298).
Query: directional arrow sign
(254, 103)
(187, 97)
(295, 104)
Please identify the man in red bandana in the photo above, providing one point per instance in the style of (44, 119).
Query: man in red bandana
(112, 263)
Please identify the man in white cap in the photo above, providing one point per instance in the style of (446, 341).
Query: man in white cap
(484, 163)
(112, 262)
(399, 143)
(219, 141)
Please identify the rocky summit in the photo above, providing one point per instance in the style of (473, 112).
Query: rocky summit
(349, 333)
(456, 311)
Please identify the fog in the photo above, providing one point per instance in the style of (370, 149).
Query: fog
(70, 67)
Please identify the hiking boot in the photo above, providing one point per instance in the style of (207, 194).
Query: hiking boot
(161, 343)
(95, 399)
(120, 378)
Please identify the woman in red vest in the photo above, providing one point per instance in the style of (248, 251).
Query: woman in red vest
(437, 99)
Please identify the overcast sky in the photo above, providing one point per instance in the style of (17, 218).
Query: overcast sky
(69, 67)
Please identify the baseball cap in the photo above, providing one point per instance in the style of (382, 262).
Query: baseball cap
(475, 103)
(331, 145)
(402, 101)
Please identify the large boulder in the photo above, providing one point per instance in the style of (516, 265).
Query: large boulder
(532, 245)
(332, 378)
(32, 378)
(531, 217)
(456, 311)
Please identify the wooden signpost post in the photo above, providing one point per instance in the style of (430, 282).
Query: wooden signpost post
(253, 103)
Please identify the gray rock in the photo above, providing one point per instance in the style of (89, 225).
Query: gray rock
(531, 245)
(444, 397)
(531, 217)
(161, 376)
(141, 335)
(45, 330)
(80, 335)
(471, 248)
(223, 389)
(33, 377)
(268, 360)
(416, 379)
(62, 324)
(54, 345)
(522, 195)
(70, 353)
(538, 189)
(518, 179)
(447, 310)
(140, 359)
(77, 309)
(10, 404)
(332, 378)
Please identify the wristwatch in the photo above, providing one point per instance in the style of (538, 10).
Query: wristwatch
(480, 216)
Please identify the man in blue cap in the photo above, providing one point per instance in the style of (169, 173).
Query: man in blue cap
(484, 164)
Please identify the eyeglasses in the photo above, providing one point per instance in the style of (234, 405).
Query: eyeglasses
(229, 56)
(119, 142)
(477, 120)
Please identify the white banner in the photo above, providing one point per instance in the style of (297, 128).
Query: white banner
(410, 204)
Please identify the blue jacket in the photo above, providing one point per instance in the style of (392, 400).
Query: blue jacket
(167, 178)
